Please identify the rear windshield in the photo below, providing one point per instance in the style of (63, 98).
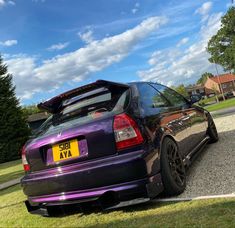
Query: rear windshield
(87, 107)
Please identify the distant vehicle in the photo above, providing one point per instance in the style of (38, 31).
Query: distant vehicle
(228, 95)
(109, 142)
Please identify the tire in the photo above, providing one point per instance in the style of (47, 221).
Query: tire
(211, 130)
(172, 168)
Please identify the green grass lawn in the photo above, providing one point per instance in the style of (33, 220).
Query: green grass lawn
(10, 170)
(200, 213)
(207, 100)
(221, 105)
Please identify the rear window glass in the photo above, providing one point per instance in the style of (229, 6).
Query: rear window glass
(88, 107)
(87, 102)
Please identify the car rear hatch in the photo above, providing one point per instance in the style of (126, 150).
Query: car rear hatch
(80, 127)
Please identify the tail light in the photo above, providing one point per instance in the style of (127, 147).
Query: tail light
(126, 132)
(24, 160)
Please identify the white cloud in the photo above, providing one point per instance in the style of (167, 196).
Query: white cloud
(86, 37)
(183, 66)
(8, 43)
(136, 8)
(4, 3)
(22, 68)
(183, 41)
(77, 65)
(58, 46)
(204, 9)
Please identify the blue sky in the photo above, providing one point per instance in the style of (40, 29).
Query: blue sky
(51, 46)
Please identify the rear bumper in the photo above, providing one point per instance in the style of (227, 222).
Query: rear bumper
(128, 176)
(122, 194)
(144, 188)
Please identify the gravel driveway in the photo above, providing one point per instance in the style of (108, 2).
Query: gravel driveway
(213, 172)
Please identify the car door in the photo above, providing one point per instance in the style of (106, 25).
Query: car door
(159, 115)
(193, 118)
(198, 124)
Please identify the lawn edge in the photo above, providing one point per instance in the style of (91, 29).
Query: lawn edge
(232, 195)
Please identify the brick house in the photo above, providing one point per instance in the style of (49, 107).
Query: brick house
(196, 89)
(37, 119)
(226, 81)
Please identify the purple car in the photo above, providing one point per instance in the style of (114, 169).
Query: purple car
(109, 143)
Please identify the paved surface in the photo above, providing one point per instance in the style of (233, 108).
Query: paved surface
(10, 183)
(178, 199)
(213, 173)
(227, 111)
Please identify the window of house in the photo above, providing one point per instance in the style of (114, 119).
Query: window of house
(224, 86)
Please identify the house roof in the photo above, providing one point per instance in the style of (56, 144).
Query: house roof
(194, 87)
(38, 116)
(223, 78)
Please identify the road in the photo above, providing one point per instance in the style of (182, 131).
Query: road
(227, 111)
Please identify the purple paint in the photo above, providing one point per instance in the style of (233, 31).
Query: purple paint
(92, 137)
(79, 194)
(49, 156)
(83, 147)
(84, 167)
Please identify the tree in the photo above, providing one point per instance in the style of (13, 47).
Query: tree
(13, 128)
(222, 45)
(204, 77)
(181, 89)
(30, 109)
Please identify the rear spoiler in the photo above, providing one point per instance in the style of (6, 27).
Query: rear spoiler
(54, 104)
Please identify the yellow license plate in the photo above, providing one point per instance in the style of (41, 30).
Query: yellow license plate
(65, 150)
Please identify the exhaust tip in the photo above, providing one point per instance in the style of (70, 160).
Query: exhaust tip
(36, 209)
(109, 199)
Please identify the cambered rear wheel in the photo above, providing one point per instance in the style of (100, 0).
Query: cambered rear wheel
(173, 169)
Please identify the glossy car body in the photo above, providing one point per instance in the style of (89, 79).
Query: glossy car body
(102, 170)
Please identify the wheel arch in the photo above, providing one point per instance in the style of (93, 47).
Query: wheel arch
(162, 141)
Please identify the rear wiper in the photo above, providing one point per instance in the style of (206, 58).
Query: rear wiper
(56, 118)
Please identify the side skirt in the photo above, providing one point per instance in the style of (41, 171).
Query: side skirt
(195, 152)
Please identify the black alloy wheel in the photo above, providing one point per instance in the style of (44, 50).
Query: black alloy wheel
(173, 169)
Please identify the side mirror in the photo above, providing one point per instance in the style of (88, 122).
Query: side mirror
(195, 98)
